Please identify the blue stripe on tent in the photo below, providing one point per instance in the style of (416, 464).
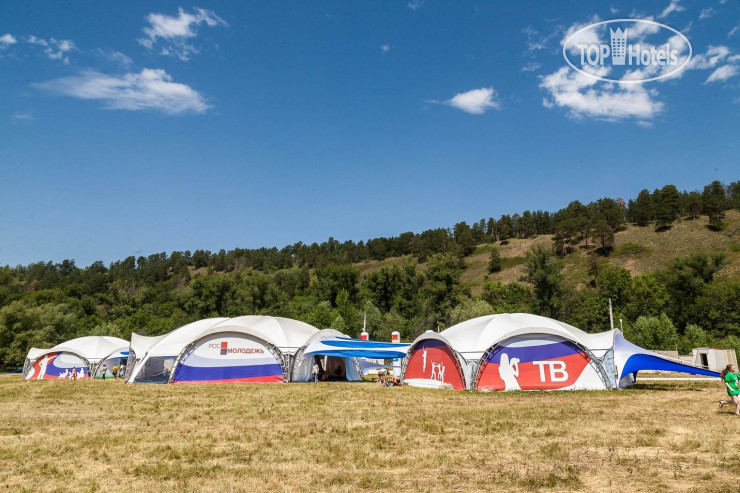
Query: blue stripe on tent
(360, 344)
(638, 362)
(527, 354)
(185, 373)
(361, 353)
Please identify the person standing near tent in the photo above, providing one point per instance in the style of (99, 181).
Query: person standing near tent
(74, 373)
(115, 371)
(105, 370)
(730, 377)
(315, 371)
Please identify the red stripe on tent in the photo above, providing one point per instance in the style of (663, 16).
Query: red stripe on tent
(265, 379)
(546, 375)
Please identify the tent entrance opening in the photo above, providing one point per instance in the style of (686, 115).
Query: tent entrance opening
(332, 368)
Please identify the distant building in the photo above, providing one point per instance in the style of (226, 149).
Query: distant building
(713, 358)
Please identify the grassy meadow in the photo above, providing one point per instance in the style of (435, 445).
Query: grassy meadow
(108, 436)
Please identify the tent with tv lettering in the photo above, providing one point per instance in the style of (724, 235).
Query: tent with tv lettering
(80, 356)
(251, 348)
(520, 351)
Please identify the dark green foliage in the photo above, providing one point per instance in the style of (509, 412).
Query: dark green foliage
(641, 210)
(654, 333)
(667, 207)
(45, 303)
(543, 271)
(714, 203)
(494, 261)
(332, 279)
(508, 298)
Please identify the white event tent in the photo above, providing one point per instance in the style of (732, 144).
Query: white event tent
(520, 351)
(252, 348)
(82, 356)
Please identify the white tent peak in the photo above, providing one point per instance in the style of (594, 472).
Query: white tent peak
(477, 335)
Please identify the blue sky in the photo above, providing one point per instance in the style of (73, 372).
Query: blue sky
(130, 128)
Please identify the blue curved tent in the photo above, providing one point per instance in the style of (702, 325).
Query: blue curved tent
(629, 359)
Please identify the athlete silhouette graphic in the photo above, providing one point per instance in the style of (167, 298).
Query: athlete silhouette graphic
(508, 370)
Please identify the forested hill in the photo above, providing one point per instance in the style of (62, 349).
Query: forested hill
(669, 260)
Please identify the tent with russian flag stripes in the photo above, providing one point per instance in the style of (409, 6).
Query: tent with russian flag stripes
(520, 351)
(251, 348)
(76, 358)
(342, 357)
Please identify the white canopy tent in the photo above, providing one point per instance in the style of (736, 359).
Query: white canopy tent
(521, 351)
(345, 368)
(251, 348)
(81, 355)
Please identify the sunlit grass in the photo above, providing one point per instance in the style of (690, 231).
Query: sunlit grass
(93, 435)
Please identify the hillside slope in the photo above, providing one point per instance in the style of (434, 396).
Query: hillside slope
(638, 249)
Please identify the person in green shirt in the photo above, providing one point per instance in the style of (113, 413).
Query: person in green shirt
(732, 381)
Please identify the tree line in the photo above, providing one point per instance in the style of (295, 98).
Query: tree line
(685, 304)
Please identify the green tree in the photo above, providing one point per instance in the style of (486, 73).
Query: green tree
(692, 205)
(654, 333)
(469, 309)
(544, 271)
(603, 236)
(648, 296)
(494, 261)
(442, 287)
(587, 310)
(615, 283)
(641, 210)
(667, 207)
(211, 296)
(508, 298)
(464, 238)
(331, 279)
(693, 337)
(714, 203)
(686, 279)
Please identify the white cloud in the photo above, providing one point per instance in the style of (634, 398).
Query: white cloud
(7, 40)
(583, 97)
(150, 89)
(710, 58)
(613, 10)
(21, 117)
(707, 13)
(586, 37)
(722, 73)
(415, 4)
(116, 57)
(173, 31)
(536, 41)
(55, 49)
(733, 30)
(475, 102)
(672, 7)
(531, 67)
(385, 48)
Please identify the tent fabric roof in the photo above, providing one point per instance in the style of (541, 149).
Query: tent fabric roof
(286, 334)
(356, 348)
(172, 343)
(630, 358)
(92, 348)
(473, 337)
(141, 344)
(35, 352)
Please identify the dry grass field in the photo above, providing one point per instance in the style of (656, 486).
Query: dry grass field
(108, 436)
